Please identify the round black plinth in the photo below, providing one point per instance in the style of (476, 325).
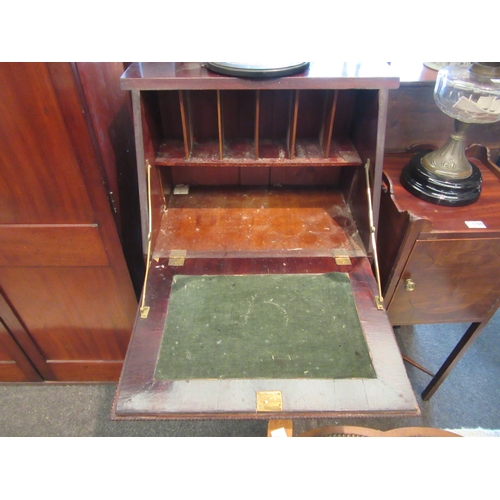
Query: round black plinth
(453, 193)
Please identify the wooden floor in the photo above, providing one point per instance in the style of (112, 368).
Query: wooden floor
(260, 222)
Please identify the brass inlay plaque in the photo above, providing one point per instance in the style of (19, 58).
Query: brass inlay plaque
(269, 401)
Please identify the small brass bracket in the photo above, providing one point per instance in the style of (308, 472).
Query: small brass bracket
(269, 401)
(342, 261)
(144, 312)
(177, 257)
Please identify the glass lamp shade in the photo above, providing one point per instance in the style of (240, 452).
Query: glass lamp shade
(470, 95)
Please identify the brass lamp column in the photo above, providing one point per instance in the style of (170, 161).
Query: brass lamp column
(445, 176)
(450, 161)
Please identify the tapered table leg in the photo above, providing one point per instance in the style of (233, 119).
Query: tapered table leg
(460, 349)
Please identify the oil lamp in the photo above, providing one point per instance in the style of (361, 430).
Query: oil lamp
(471, 95)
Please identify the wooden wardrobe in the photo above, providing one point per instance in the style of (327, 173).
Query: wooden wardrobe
(67, 300)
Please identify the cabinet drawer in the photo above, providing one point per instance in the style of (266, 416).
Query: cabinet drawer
(447, 281)
(51, 245)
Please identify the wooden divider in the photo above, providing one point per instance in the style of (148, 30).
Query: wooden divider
(292, 140)
(186, 123)
(220, 125)
(257, 122)
(327, 127)
(292, 130)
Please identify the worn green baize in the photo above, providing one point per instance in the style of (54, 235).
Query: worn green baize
(263, 326)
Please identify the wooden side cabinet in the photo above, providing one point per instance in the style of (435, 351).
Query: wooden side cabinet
(440, 264)
(67, 303)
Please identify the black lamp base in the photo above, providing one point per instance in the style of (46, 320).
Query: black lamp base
(448, 192)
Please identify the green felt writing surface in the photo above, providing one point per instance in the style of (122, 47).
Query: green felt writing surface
(263, 326)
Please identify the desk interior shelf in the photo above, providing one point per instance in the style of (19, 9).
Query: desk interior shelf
(258, 222)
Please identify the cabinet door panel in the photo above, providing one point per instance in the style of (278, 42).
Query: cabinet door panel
(14, 366)
(62, 267)
(15, 348)
(76, 318)
(453, 281)
(42, 182)
(28, 245)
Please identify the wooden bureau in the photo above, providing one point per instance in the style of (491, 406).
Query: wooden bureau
(245, 177)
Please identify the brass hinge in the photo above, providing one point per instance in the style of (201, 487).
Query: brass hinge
(177, 257)
(181, 189)
(112, 201)
(379, 300)
(342, 261)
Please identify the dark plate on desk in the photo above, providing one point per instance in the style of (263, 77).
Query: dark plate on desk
(257, 70)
